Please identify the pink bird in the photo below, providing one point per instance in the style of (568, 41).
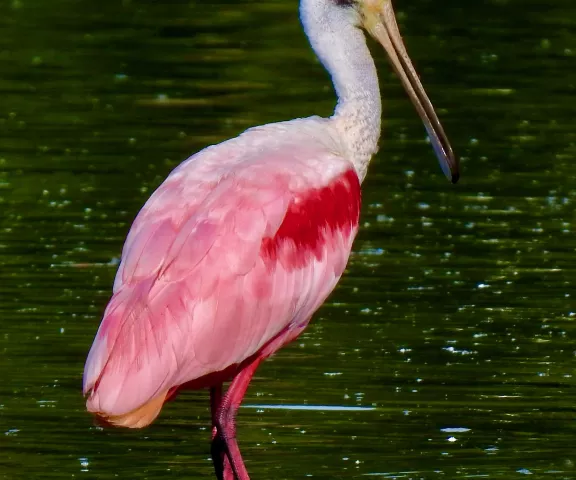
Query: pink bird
(232, 255)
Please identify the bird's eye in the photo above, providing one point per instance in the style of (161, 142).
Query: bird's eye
(344, 3)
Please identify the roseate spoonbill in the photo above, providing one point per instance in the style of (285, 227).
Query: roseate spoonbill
(242, 243)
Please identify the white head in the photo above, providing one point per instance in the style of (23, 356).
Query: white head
(343, 19)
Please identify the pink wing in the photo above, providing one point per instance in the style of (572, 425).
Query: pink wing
(221, 259)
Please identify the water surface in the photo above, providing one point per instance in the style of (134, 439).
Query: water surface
(447, 351)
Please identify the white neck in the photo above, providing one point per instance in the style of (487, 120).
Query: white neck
(341, 47)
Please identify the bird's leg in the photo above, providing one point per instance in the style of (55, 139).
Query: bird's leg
(218, 449)
(226, 420)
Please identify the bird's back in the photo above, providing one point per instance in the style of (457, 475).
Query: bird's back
(240, 244)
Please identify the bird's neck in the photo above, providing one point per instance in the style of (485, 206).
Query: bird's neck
(342, 49)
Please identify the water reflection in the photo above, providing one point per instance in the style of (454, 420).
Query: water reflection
(310, 408)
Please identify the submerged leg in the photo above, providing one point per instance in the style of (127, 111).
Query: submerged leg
(225, 424)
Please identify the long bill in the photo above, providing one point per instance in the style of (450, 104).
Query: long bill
(381, 23)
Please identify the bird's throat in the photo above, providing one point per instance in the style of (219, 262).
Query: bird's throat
(342, 49)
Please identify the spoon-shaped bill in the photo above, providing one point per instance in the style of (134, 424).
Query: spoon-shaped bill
(383, 27)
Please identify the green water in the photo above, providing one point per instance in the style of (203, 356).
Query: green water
(455, 324)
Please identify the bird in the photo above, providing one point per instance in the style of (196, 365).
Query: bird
(231, 256)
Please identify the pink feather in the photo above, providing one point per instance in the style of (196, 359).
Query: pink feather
(236, 247)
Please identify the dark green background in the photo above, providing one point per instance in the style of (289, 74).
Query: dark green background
(457, 310)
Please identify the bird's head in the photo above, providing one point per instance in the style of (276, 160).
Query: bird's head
(378, 19)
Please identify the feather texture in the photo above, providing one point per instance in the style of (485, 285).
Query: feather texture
(231, 255)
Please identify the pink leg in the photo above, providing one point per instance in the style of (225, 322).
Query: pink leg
(224, 422)
(218, 451)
